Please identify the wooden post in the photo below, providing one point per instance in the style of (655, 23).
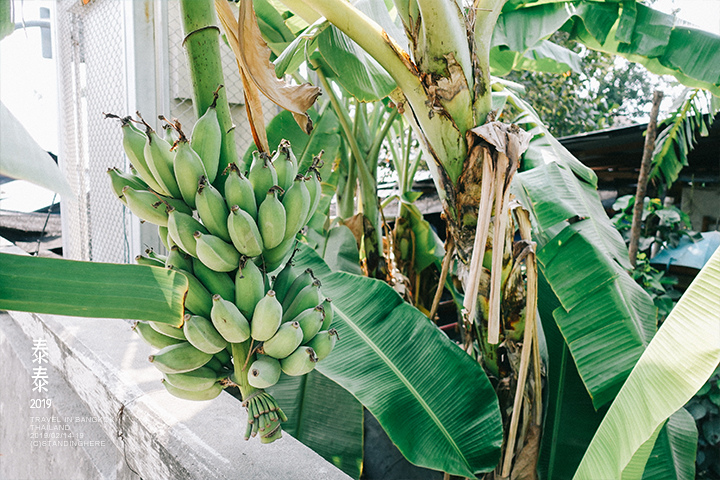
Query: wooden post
(650, 135)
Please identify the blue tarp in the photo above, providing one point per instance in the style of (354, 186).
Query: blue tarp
(688, 253)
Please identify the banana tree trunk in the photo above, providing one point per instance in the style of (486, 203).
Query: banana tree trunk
(444, 93)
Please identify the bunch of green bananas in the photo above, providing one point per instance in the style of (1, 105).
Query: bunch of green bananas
(227, 232)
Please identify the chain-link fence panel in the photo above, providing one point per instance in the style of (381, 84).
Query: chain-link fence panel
(94, 74)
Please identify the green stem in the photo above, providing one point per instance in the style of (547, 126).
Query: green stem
(202, 46)
(367, 182)
(240, 354)
(486, 16)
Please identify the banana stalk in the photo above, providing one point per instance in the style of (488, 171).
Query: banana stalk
(202, 46)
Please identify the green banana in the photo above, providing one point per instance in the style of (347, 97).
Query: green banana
(315, 190)
(329, 313)
(168, 134)
(239, 191)
(274, 257)
(144, 260)
(271, 219)
(286, 165)
(146, 206)
(297, 205)
(283, 280)
(217, 366)
(212, 209)
(120, 180)
(163, 234)
(216, 282)
(262, 175)
(195, 381)
(188, 170)
(303, 280)
(223, 355)
(201, 333)
(208, 394)
(300, 362)
(134, 145)
(198, 300)
(179, 358)
(244, 232)
(229, 321)
(160, 161)
(288, 337)
(249, 287)
(264, 372)
(310, 321)
(323, 343)
(206, 139)
(155, 256)
(267, 317)
(182, 227)
(179, 259)
(168, 330)
(152, 337)
(215, 253)
(308, 297)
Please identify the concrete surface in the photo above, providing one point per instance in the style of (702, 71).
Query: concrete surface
(103, 388)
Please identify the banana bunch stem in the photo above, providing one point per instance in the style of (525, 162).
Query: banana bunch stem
(264, 414)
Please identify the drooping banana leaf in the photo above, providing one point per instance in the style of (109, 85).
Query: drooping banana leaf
(323, 416)
(610, 320)
(673, 456)
(435, 403)
(84, 289)
(570, 418)
(22, 158)
(679, 132)
(629, 29)
(681, 357)
(546, 56)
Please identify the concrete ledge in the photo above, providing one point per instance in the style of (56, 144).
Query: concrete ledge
(99, 372)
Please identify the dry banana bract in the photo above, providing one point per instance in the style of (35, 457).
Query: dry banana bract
(250, 316)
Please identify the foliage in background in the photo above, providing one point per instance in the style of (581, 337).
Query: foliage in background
(692, 115)
(662, 226)
(606, 92)
(705, 409)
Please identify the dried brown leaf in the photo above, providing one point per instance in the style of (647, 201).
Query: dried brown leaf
(253, 56)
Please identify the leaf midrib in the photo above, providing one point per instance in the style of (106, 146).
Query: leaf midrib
(408, 385)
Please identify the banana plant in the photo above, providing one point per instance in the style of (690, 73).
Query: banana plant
(441, 62)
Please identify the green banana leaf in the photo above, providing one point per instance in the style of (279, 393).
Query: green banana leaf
(429, 248)
(435, 403)
(546, 56)
(84, 289)
(610, 320)
(673, 456)
(340, 250)
(323, 416)
(271, 23)
(629, 29)
(681, 357)
(678, 134)
(22, 158)
(325, 136)
(570, 418)
(6, 22)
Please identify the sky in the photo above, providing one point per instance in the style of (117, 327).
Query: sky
(28, 85)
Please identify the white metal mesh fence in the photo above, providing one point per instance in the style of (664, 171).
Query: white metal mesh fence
(91, 58)
(93, 70)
